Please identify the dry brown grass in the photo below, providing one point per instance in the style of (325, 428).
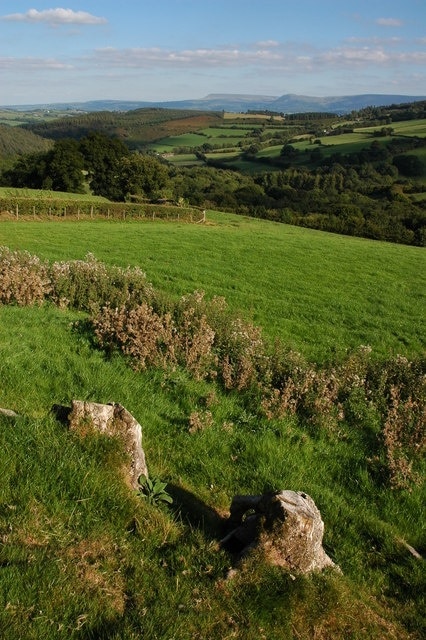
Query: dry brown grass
(93, 565)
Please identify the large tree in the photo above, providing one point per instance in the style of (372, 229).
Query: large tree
(103, 161)
(409, 165)
(64, 167)
(143, 175)
(60, 169)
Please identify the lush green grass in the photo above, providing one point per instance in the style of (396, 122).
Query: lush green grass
(184, 140)
(211, 135)
(354, 142)
(344, 144)
(320, 293)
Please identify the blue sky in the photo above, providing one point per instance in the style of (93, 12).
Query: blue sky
(176, 49)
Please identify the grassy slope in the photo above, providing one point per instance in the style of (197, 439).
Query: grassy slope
(81, 558)
(318, 292)
(11, 192)
(15, 141)
(136, 127)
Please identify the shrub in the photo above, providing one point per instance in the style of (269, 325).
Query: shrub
(24, 278)
(140, 333)
(83, 284)
(404, 437)
(194, 336)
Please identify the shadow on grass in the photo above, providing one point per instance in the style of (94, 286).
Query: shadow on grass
(197, 513)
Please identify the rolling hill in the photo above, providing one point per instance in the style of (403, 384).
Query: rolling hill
(288, 103)
(15, 141)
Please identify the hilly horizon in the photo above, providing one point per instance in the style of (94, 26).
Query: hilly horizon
(286, 103)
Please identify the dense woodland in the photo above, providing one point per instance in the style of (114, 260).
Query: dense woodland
(375, 191)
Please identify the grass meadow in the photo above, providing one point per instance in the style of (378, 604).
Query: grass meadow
(320, 293)
(83, 558)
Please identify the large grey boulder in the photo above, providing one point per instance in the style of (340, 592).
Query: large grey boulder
(285, 525)
(112, 420)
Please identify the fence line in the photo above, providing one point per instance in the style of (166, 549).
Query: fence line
(81, 210)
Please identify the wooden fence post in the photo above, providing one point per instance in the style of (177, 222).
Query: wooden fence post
(17, 210)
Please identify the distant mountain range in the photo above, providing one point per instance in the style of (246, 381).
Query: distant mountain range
(288, 103)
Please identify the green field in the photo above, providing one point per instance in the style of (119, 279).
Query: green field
(318, 292)
(345, 143)
(84, 558)
(10, 192)
(403, 128)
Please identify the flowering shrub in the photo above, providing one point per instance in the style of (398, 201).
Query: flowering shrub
(24, 278)
(82, 284)
(140, 333)
(404, 437)
(194, 336)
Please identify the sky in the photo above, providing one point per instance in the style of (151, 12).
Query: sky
(155, 50)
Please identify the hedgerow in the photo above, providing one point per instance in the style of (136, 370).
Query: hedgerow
(63, 208)
(128, 315)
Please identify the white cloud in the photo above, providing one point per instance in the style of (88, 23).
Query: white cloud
(32, 64)
(375, 41)
(281, 58)
(267, 44)
(56, 17)
(389, 22)
(144, 57)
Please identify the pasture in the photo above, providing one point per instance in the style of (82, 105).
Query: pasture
(403, 128)
(319, 293)
(235, 136)
(82, 557)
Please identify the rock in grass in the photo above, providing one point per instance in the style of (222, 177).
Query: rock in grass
(9, 413)
(112, 420)
(286, 526)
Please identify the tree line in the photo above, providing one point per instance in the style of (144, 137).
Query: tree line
(366, 194)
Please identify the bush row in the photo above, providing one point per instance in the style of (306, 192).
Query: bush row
(79, 284)
(213, 343)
